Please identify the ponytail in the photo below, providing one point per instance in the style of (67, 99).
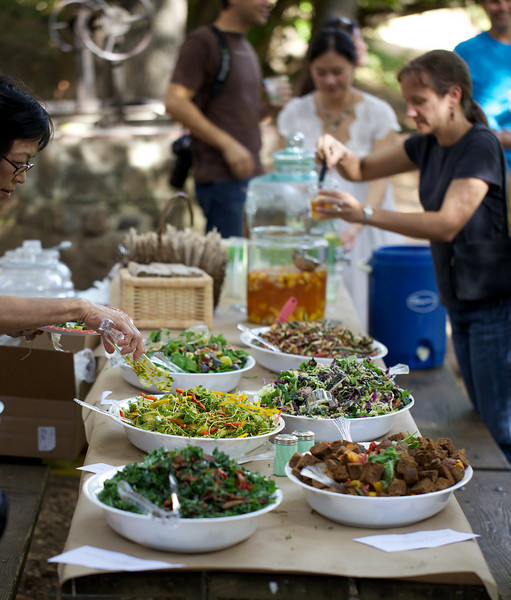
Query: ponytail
(473, 111)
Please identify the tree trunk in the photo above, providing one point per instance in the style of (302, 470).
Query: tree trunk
(327, 9)
(147, 74)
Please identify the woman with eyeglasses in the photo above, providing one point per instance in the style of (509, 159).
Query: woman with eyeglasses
(462, 189)
(25, 129)
(361, 121)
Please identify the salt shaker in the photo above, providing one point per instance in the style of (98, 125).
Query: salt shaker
(285, 446)
(305, 440)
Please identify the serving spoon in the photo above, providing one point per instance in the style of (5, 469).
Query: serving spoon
(304, 261)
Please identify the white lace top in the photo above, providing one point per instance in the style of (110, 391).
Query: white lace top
(374, 119)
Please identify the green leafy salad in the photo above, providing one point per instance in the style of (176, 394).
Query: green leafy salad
(195, 350)
(360, 387)
(208, 486)
(199, 412)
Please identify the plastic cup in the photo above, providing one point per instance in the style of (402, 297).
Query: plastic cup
(275, 87)
(314, 204)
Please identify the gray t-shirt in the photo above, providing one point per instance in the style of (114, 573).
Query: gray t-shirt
(236, 110)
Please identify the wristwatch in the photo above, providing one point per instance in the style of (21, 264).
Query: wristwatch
(368, 213)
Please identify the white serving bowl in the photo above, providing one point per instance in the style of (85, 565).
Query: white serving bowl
(150, 440)
(361, 428)
(377, 512)
(280, 361)
(186, 535)
(219, 382)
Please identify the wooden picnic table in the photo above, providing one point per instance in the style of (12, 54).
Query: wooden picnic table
(442, 408)
(294, 553)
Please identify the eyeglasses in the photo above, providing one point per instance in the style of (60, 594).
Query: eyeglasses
(19, 167)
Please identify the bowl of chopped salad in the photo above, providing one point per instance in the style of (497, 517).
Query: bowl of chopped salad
(366, 394)
(208, 419)
(207, 359)
(300, 341)
(401, 480)
(221, 502)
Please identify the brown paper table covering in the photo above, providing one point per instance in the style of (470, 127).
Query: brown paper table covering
(289, 539)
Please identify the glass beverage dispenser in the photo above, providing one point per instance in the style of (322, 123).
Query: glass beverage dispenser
(281, 264)
(282, 198)
(285, 258)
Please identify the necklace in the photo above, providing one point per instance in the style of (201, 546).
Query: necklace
(334, 123)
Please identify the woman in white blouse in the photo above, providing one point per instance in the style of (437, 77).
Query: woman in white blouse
(359, 120)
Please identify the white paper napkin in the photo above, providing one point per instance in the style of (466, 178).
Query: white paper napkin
(399, 542)
(98, 558)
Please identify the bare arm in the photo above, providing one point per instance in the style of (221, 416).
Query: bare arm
(375, 193)
(21, 316)
(460, 202)
(382, 162)
(179, 104)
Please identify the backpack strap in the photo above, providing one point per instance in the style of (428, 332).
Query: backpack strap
(225, 64)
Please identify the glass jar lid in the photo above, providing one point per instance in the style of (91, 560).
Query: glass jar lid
(294, 157)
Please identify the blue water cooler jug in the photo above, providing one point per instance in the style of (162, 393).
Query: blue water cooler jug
(404, 308)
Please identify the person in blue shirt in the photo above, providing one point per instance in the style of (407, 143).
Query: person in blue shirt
(488, 56)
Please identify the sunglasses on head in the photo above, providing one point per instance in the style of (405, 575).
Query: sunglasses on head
(342, 23)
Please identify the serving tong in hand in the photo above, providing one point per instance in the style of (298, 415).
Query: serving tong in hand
(147, 372)
(200, 332)
(161, 359)
(127, 493)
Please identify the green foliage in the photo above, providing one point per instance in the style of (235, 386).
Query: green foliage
(27, 53)
(25, 49)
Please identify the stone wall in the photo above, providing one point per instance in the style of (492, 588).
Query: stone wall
(90, 185)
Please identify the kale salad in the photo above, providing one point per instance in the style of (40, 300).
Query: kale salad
(209, 486)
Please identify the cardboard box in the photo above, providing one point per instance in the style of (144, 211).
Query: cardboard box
(40, 418)
(68, 343)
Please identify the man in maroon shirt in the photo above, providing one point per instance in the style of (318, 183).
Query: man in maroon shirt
(225, 131)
